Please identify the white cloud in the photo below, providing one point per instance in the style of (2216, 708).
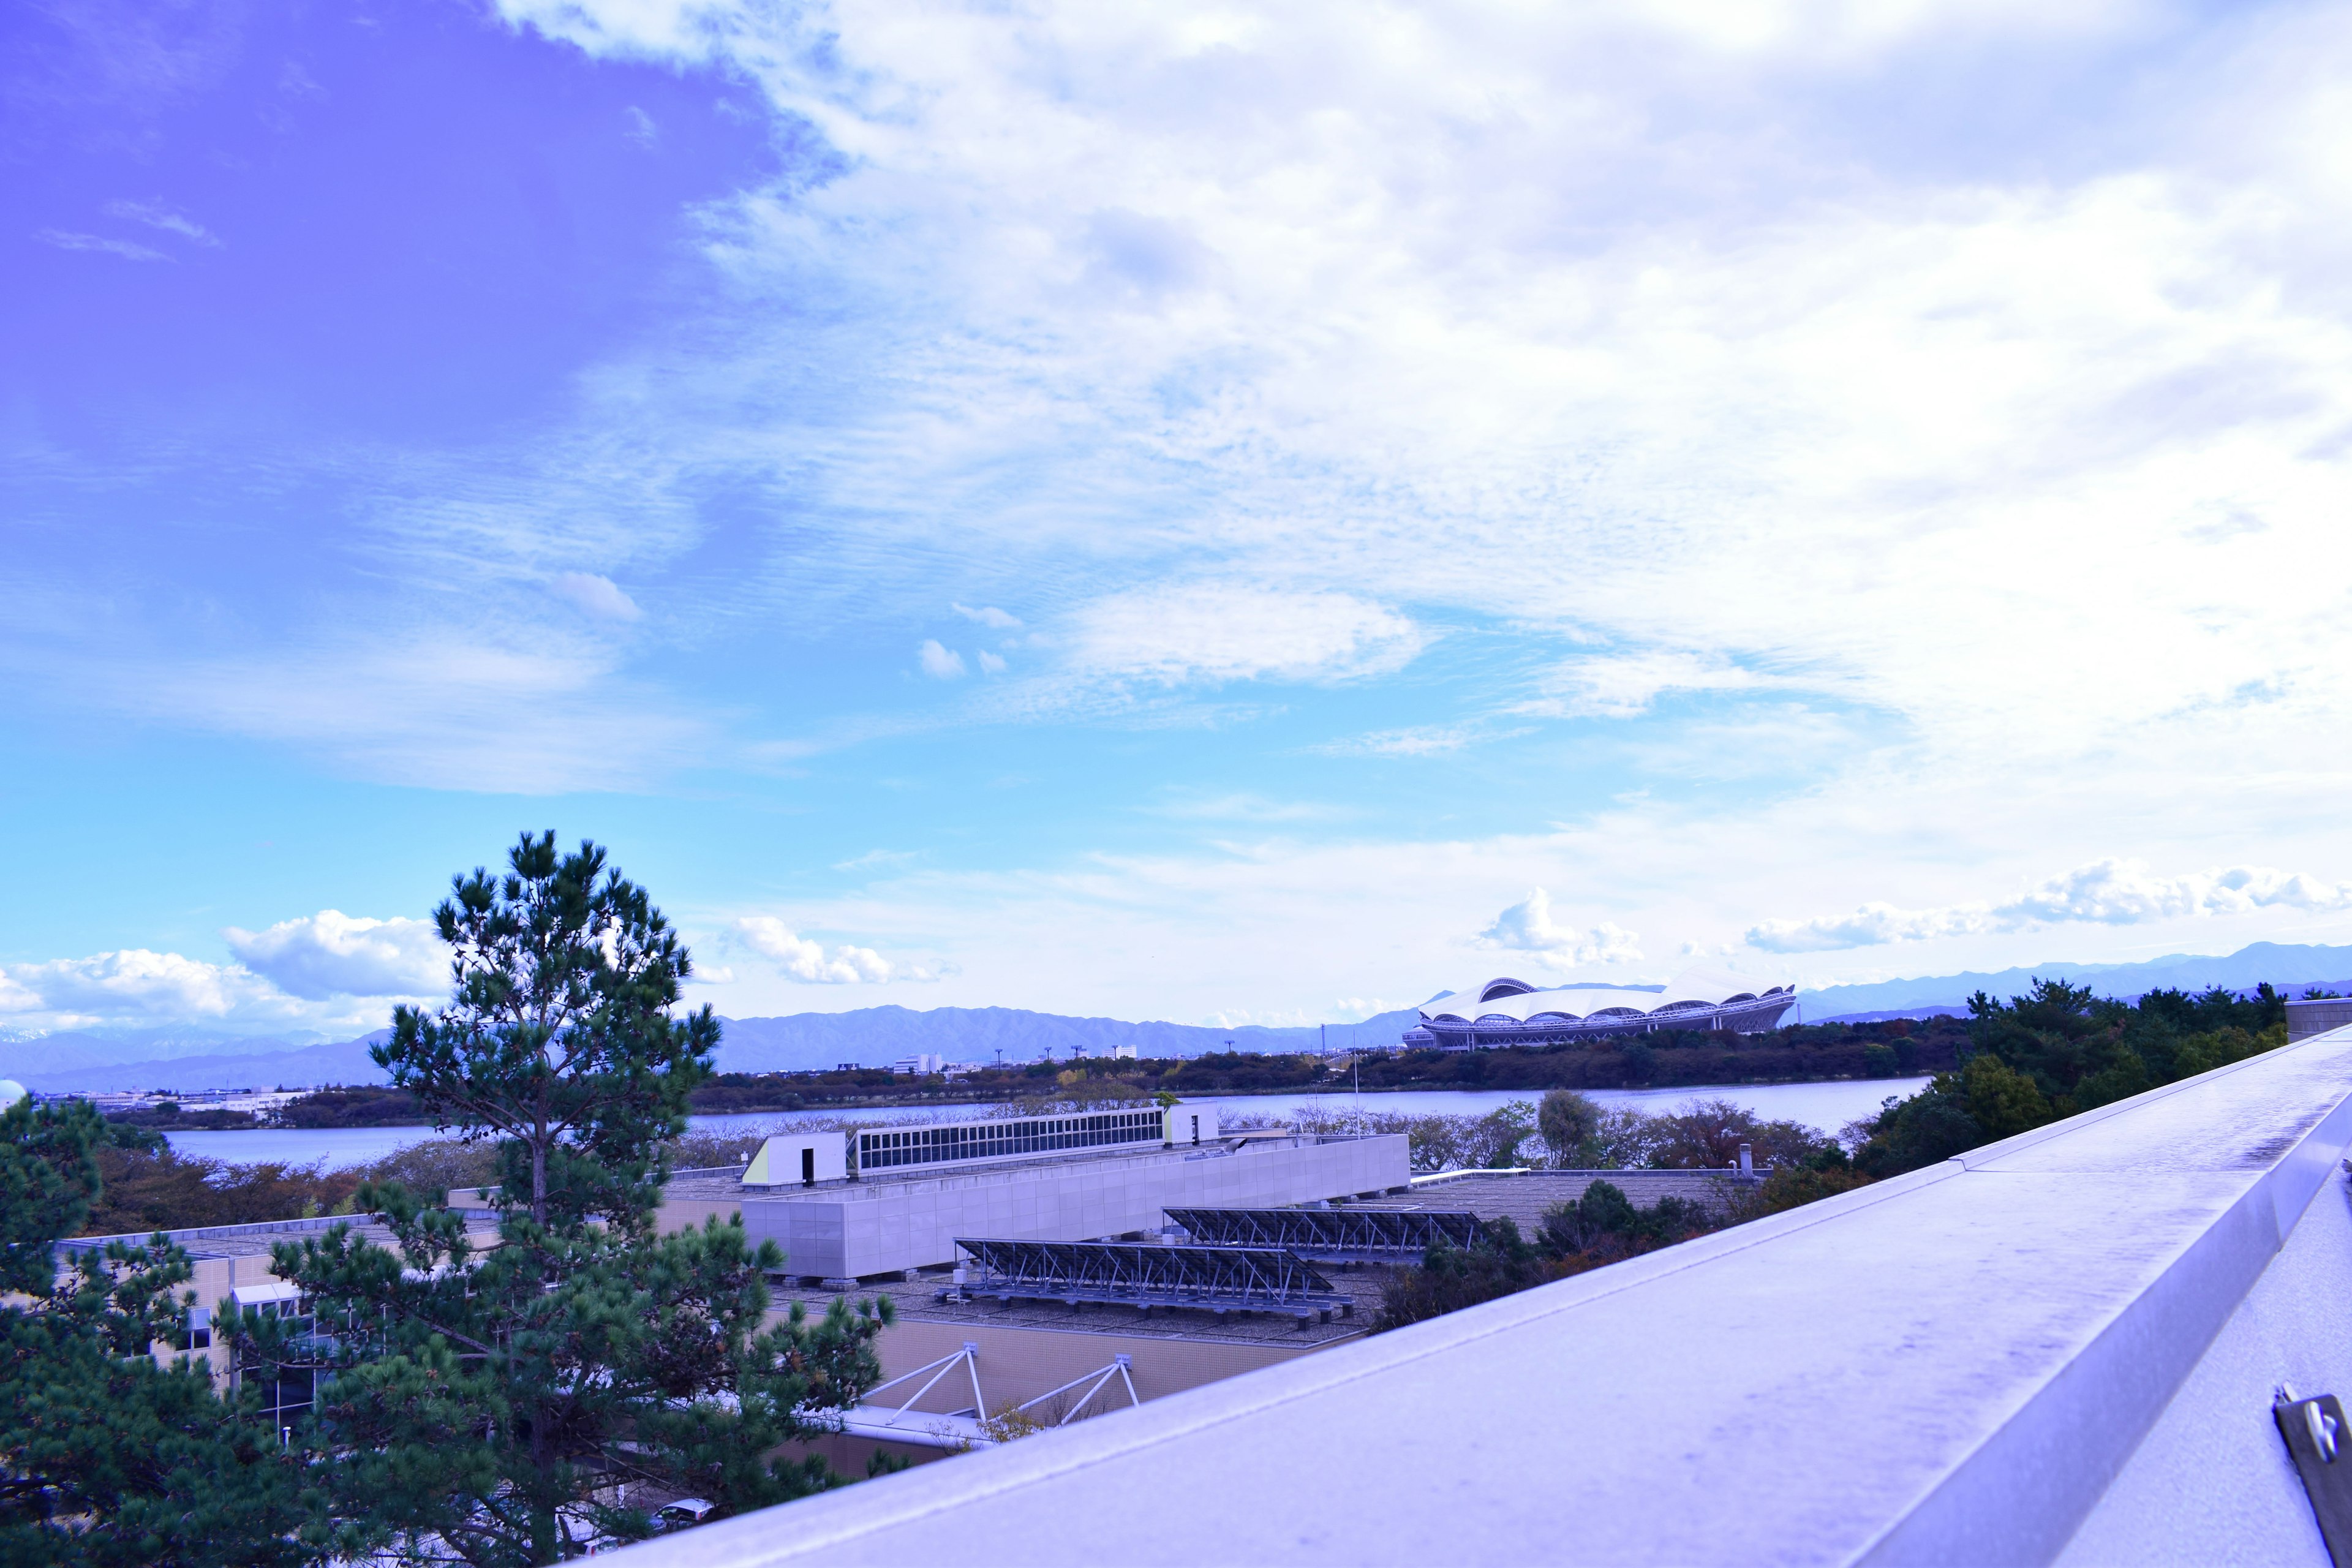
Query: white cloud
(1422, 740)
(1624, 685)
(938, 663)
(137, 984)
(1242, 1017)
(2108, 892)
(65, 239)
(642, 128)
(808, 961)
(597, 596)
(987, 615)
(154, 215)
(1526, 926)
(993, 663)
(1217, 632)
(334, 954)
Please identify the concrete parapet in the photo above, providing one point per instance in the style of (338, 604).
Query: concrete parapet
(2060, 1347)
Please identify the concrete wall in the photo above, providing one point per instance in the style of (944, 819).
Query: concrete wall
(877, 1228)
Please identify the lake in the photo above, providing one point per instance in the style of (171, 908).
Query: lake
(1826, 1107)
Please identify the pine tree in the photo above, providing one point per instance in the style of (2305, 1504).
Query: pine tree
(504, 1404)
(108, 1455)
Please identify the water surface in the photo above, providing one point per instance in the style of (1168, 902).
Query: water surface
(1825, 1107)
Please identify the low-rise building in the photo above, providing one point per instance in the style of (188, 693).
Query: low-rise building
(878, 1222)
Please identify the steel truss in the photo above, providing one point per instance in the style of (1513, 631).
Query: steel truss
(1138, 1274)
(966, 1428)
(1337, 1233)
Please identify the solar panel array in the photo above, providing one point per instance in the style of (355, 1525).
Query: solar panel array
(1331, 1233)
(1139, 1273)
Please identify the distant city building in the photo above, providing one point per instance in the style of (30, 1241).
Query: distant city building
(1508, 1012)
(919, 1065)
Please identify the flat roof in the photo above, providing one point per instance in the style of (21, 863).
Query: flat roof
(722, 1186)
(918, 1300)
(255, 1240)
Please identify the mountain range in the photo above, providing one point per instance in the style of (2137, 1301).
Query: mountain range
(870, 1036)
(187, 1059)
(2291, 968)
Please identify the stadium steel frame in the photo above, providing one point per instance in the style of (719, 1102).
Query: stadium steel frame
(1141, 1275)
(1335, 1233)
(1492, 1030)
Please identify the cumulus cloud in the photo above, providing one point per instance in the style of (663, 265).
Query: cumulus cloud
(808, 961)
(1216, 632)
(986, 614)
(2105, 892)
(991, 663)
(597, 596)
(938, 662)
(1526, 926)
(135, 984)
(334, 954)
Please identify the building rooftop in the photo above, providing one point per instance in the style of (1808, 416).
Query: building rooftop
(726, 1185)
(255, 1240)
(918, 1300)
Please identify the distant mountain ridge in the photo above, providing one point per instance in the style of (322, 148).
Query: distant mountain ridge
(2287, 966)
(188, 1059)
(875, 1037)
(304, 1067)
(870, 1036)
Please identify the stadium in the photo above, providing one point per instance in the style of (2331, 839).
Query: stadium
(1508, 1012)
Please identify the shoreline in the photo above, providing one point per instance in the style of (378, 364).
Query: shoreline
(1333, 1092)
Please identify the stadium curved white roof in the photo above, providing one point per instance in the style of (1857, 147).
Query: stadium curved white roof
(1700, 988)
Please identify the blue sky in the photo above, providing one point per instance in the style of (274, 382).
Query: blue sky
(1217, 513)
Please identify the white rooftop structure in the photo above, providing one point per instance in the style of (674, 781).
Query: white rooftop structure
(1507, 1011)
(2062, 1348)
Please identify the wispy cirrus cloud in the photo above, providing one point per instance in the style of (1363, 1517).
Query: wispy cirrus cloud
(155, 215)
(68, 239)
(1210, 633)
